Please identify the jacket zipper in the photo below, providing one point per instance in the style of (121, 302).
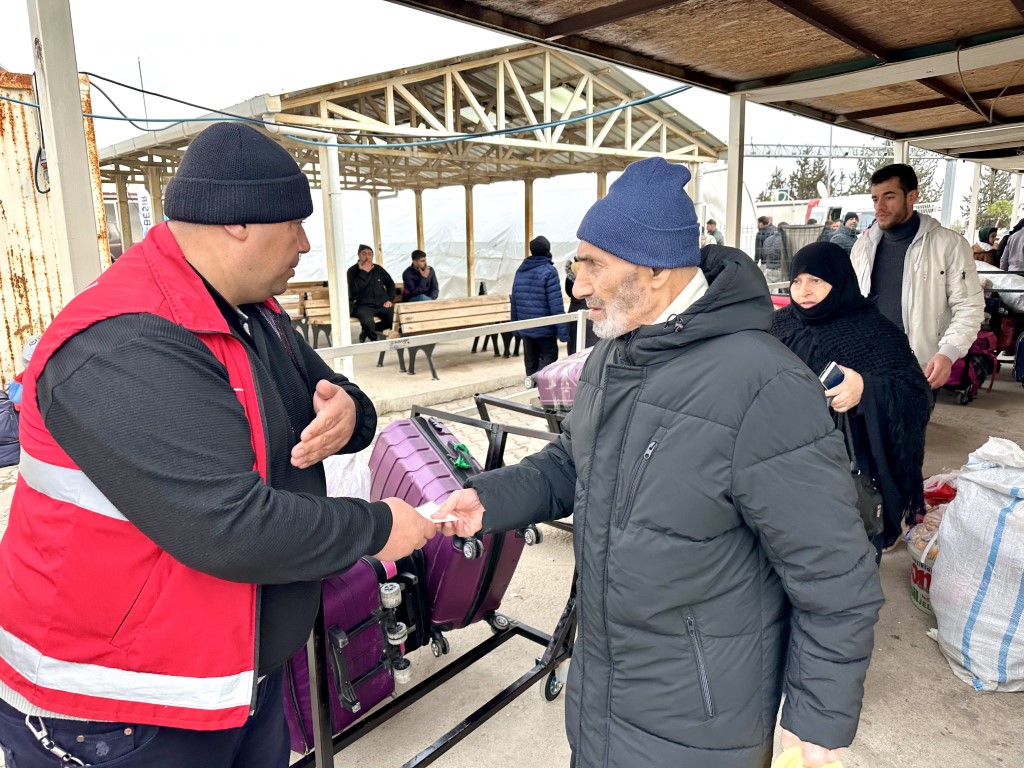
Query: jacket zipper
(635, 485)
(259, 589)
(702, 673)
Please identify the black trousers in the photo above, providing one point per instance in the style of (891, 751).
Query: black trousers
(539, 352)
(261, 743)
(368, 328)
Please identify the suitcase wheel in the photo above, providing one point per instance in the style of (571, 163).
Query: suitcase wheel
(401, 668)
(471, 548)
(532, 535)
(965, 398)
(390, 595)
(439, 646)
(398, 633)
(498, 622)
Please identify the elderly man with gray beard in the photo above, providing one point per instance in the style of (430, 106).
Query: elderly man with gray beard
(715, 571)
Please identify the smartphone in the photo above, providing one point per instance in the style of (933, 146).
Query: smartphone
(832, 376)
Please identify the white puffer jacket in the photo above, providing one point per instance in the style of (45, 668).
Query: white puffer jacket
(943, 304)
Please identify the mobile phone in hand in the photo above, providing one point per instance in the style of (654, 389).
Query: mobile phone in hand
(832, 376)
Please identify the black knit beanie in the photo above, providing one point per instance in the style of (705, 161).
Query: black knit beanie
(540, 246)
(233, 174)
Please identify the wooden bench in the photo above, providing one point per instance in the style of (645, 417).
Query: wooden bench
(414, 318)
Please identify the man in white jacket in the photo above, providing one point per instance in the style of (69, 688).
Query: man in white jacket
(920, 274)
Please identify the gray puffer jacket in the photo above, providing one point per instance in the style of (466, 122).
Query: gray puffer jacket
(716, 541)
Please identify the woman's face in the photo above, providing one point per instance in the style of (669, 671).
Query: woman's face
(808, 290)
(992, 237)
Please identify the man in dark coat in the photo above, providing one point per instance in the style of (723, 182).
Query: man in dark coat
(371, 296)
(419, 281)
(721, 559)
(536, 293)
(846, 236)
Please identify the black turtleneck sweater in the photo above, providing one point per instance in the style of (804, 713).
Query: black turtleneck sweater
(887, 272)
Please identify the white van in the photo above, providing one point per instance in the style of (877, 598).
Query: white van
(835, 208)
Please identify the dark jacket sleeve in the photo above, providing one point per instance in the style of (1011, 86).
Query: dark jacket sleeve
(540, 487)
(433, 290)
(555, 304)
(350, 276)
(148, 414)
(389, 284)
(793, 487)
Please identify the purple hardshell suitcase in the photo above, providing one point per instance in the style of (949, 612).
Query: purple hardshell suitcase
(556, 383)
(420, 460)
(361, 660)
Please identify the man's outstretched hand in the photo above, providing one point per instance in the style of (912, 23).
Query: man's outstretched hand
(813, 755)
(409, 530)
(466, 506)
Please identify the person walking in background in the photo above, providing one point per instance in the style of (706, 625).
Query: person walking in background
(371, 294)
(536, 293)
(772, 253)
(921, 275)
(170, 526)
(765, 229)
(419, 280)
(711, 498)
(1001, 248)
(1012, 259)
(829, 230)
(884, 394)
(985, 248)
(847, 234)
(715, 233)
(572, 267)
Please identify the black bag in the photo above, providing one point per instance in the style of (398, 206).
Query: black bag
(869, 498)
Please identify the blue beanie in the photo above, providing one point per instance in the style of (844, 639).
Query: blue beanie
(646, 218)
(233, 174)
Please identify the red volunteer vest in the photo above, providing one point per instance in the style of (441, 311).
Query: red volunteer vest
(96, 621)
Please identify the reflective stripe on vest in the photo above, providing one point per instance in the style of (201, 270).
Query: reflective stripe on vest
(64, 484)
(207, 693)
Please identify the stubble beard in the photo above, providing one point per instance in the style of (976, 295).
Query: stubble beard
(620, 312)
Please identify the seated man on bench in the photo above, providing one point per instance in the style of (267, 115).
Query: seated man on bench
(371, 295)
(419, 279)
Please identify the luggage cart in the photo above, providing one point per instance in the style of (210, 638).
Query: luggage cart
(549, 667)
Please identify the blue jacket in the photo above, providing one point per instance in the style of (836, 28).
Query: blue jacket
(536, 293)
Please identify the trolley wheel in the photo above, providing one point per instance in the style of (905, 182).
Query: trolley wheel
(439, 646)
(390, 595)
(532, 535)
(499, 622)
(529, 383)
(964, 398)
(397, 634)
(552, 686)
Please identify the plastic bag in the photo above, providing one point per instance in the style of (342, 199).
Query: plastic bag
(977, 584)
(941, 488)
(348, 476)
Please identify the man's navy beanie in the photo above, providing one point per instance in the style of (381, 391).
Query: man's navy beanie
(646, 218)
(233, 174)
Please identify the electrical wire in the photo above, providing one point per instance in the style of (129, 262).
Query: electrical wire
(35, 173)
(968, 93)
(121, 112)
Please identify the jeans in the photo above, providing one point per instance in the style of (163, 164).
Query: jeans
(421, 297)
(368, 327)
(261, 743)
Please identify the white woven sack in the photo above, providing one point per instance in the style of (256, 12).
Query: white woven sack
(348, 476)
(977, 589)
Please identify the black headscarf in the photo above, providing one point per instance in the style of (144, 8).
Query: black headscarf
(890, 421)
(832, 264)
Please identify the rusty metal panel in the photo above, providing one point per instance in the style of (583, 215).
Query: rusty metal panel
(30, 275)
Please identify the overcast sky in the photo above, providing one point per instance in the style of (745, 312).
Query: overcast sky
(217, 54)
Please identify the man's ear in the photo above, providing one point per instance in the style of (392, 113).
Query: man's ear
(237, 231)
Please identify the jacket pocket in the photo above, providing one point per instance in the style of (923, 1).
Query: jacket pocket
(638, 475)
(128, 630)
(702, 671)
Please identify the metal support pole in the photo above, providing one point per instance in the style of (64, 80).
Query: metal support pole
(602, 184)
(378, 256)
(156, 194)
(528, 217)
(470, 249)
(972, 217)
(334, 244)
(734, 194)
(124, 217)
(1015, 211)
(420, 240)
(900, 152)
(698, 184)
(60, 106)
(947, 192)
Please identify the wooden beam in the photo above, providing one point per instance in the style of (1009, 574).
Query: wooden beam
(470, 246)
(920, 106)
(602, 17)
(378, 257)
(528, 214)
(420, 240)
(833, 27)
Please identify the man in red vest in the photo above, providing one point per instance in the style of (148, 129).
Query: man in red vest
(170, 525)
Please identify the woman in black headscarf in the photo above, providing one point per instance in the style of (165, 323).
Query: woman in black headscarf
(884, 392)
